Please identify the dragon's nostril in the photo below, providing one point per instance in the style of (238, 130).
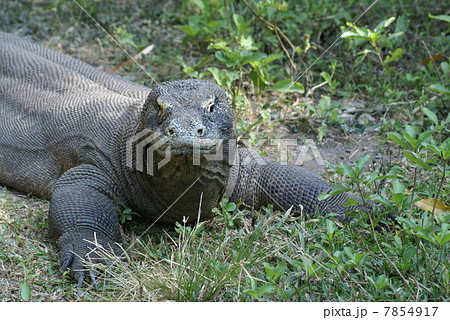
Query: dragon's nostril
(200, 131)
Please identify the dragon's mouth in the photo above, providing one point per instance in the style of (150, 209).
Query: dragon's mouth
(180, 147)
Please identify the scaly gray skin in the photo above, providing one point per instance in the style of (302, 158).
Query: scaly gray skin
(286, 186)
(64, 127)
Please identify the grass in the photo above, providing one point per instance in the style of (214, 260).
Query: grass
(237, 256)
(264, 256)
(27, 258)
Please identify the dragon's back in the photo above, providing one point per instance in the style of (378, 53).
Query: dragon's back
(55, 111)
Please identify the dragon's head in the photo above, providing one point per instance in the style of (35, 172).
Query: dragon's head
(189, 112)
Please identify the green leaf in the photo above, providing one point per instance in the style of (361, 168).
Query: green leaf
(445, 68)
(398, 187)
(348, 171)
(415, 159)
(229, 207)
(325, 75)
(275, 273)
(351, 35)
(361, 163)
(431, 115)
(271, 57)
(381, 282)
(424, 135)
(360, 258)
(190, 31)
(397, 54)
(199, 4)
(445, 147)
(322, 131)
(409, 134)
(223, 78)
(442, 17)
(440, 88)
(402, 24)
(407, 222)
(364, 33)
(444, 236)
(397, 138)
(442, 239)
(255, 123)
(361, 56)
(331, 227)
(286, 85)
(258, 79)
(426, 236)
(280, 268)
(218, 44)
(25, 291)
(409, 253)
(410, 130)
(359, 33)
(238, 19)
(350, 252)
(266, 289)
(212, 25)
(228, 58)
(269, 269)
(202, 62)
(434, 148)
(374, 176)
(254, 58)
(351, 202)
(247, 43)
(335, 190)
(384, 24)
(398, 198)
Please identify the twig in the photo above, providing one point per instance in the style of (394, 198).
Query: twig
(292, 67)
(437, 196)
(279, 34)
(439, 188)
(413, 191)
(310, 91)
(434, 62)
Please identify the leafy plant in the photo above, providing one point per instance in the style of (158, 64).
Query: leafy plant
(328, 112)
(126, 214)
(373, 42)
(230, 213)
(416, 146)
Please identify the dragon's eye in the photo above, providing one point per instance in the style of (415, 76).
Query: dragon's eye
(209, 103)
(163, 106)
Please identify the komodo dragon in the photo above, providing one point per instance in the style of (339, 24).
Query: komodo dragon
(65, 134)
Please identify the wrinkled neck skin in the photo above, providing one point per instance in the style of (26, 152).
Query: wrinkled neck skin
(180, 189)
